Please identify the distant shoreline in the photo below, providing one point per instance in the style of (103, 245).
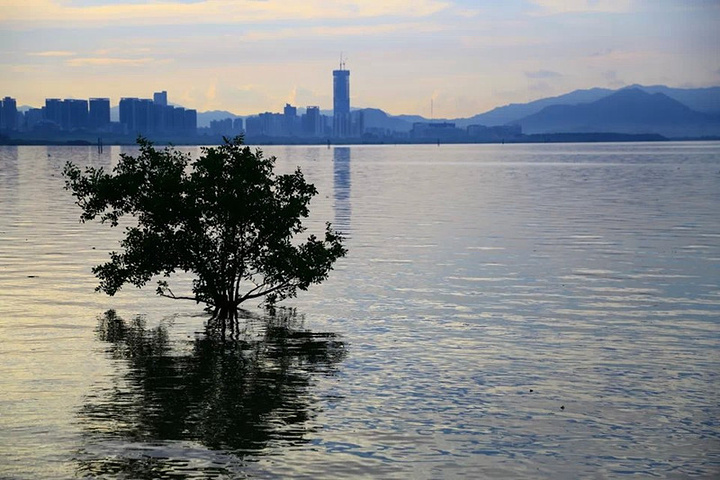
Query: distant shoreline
(598, 137)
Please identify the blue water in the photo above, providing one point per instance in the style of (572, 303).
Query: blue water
(505, 311)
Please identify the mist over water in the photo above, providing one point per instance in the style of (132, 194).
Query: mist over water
(518, 311)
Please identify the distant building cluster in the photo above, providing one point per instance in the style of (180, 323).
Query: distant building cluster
(229, 127)
(155, 116)
(448, 132)
(311, 124)
(137, 116)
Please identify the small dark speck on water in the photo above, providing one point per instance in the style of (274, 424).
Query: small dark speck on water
(562, 407)
(531, 390)
(32, 276)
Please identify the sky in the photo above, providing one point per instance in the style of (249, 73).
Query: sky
(463, 57)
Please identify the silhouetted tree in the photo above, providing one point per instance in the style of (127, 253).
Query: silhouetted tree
(225, 217)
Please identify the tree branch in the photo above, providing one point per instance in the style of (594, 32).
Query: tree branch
(250, 296)
(175, 297)
(195, 299)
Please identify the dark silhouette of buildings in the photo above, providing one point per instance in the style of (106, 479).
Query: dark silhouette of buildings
(137, 116)
(310, 125)
(226, 127)
(441, 131)
(145, 116)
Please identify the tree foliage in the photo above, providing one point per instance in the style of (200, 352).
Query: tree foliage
(225, 217)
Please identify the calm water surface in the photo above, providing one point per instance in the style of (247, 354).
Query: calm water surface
(505, 311)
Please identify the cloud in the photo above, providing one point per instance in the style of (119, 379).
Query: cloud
(211, 93)
(292, 96)
(108, 62)
(541, 88)
(555, 7)
(611, 77)
(493, 42)
(53, 53)
(543, 74)
(34, 13)
(341, 31)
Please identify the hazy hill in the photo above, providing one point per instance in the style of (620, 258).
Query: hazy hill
(700, 99)
(204, 118)
(415, 118)
(629, 110)
(376, 118)
(514, 111)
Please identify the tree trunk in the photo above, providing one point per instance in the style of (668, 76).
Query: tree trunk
(224, 317)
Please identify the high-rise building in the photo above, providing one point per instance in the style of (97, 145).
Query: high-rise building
(53, 110)
(143, 115)
(99, 116)
(222, 127)
(238, 127)
(8, 114)
(136, 115)
(312, 122)
(341, 102)
(127, 114)
(190, 121)
(74, 114)
(33, 117)
(290, 120)
(160, 98)
(178, 119)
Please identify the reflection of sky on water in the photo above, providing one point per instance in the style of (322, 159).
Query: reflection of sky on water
(486, 287)
(341, 188)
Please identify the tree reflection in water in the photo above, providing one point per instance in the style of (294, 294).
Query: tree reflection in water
(234, 396)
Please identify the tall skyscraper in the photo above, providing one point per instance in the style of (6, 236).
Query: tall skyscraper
(341, 101)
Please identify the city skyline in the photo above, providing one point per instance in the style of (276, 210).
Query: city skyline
(465, 57)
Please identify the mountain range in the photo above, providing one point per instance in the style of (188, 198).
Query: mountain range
(672, 112)
(630, 110)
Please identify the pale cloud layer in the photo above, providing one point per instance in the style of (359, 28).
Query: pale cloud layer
(248, 56)
(553, 7)
(33, 13)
